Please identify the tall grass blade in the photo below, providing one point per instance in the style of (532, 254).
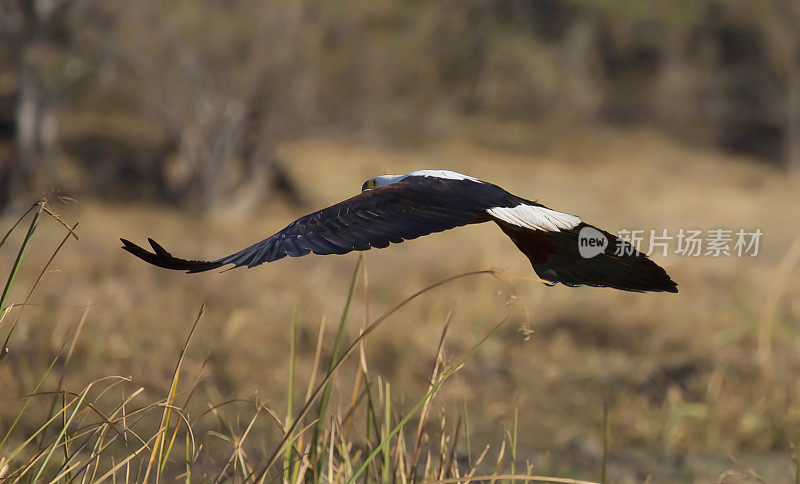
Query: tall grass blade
(287, 460)
(448, 467)
(372, 418)
(466, 434)
(604, 475)
(361, 353)
(514, 440)
(437, 363)
(160, 451)
(387, 422)
(188, 478)
(62, 374)
(323, 406)
(63, 432)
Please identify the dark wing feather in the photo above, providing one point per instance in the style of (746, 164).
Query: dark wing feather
(405, 210)
(161, 258)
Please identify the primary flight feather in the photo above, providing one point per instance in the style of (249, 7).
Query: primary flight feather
(394, 208)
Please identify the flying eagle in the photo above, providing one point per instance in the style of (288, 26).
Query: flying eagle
(394, 208)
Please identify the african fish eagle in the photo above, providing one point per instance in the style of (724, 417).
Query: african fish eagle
(394, 208)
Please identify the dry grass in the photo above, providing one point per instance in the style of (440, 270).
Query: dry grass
(682, 376)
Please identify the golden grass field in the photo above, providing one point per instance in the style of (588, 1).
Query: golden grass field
(691, 395)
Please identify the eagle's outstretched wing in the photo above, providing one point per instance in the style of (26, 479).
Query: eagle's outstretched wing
(404, 210)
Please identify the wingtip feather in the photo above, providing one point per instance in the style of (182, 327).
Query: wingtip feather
(158, 249)
(161, 258)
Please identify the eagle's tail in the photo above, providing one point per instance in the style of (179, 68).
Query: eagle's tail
(161, 258)
(556, 257)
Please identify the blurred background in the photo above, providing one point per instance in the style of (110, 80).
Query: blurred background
(210, 124)
(187, 102)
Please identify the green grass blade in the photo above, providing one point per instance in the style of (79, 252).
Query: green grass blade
(466, 434)
(372, 422)
(323, 406)
(18, 260)
(604, 475)
(287, 460)
(164, 449)
(514, 440)
(62, 433)
(188, 479)
(387, 422)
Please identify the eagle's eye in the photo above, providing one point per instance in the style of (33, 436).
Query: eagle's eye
(368, 185)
